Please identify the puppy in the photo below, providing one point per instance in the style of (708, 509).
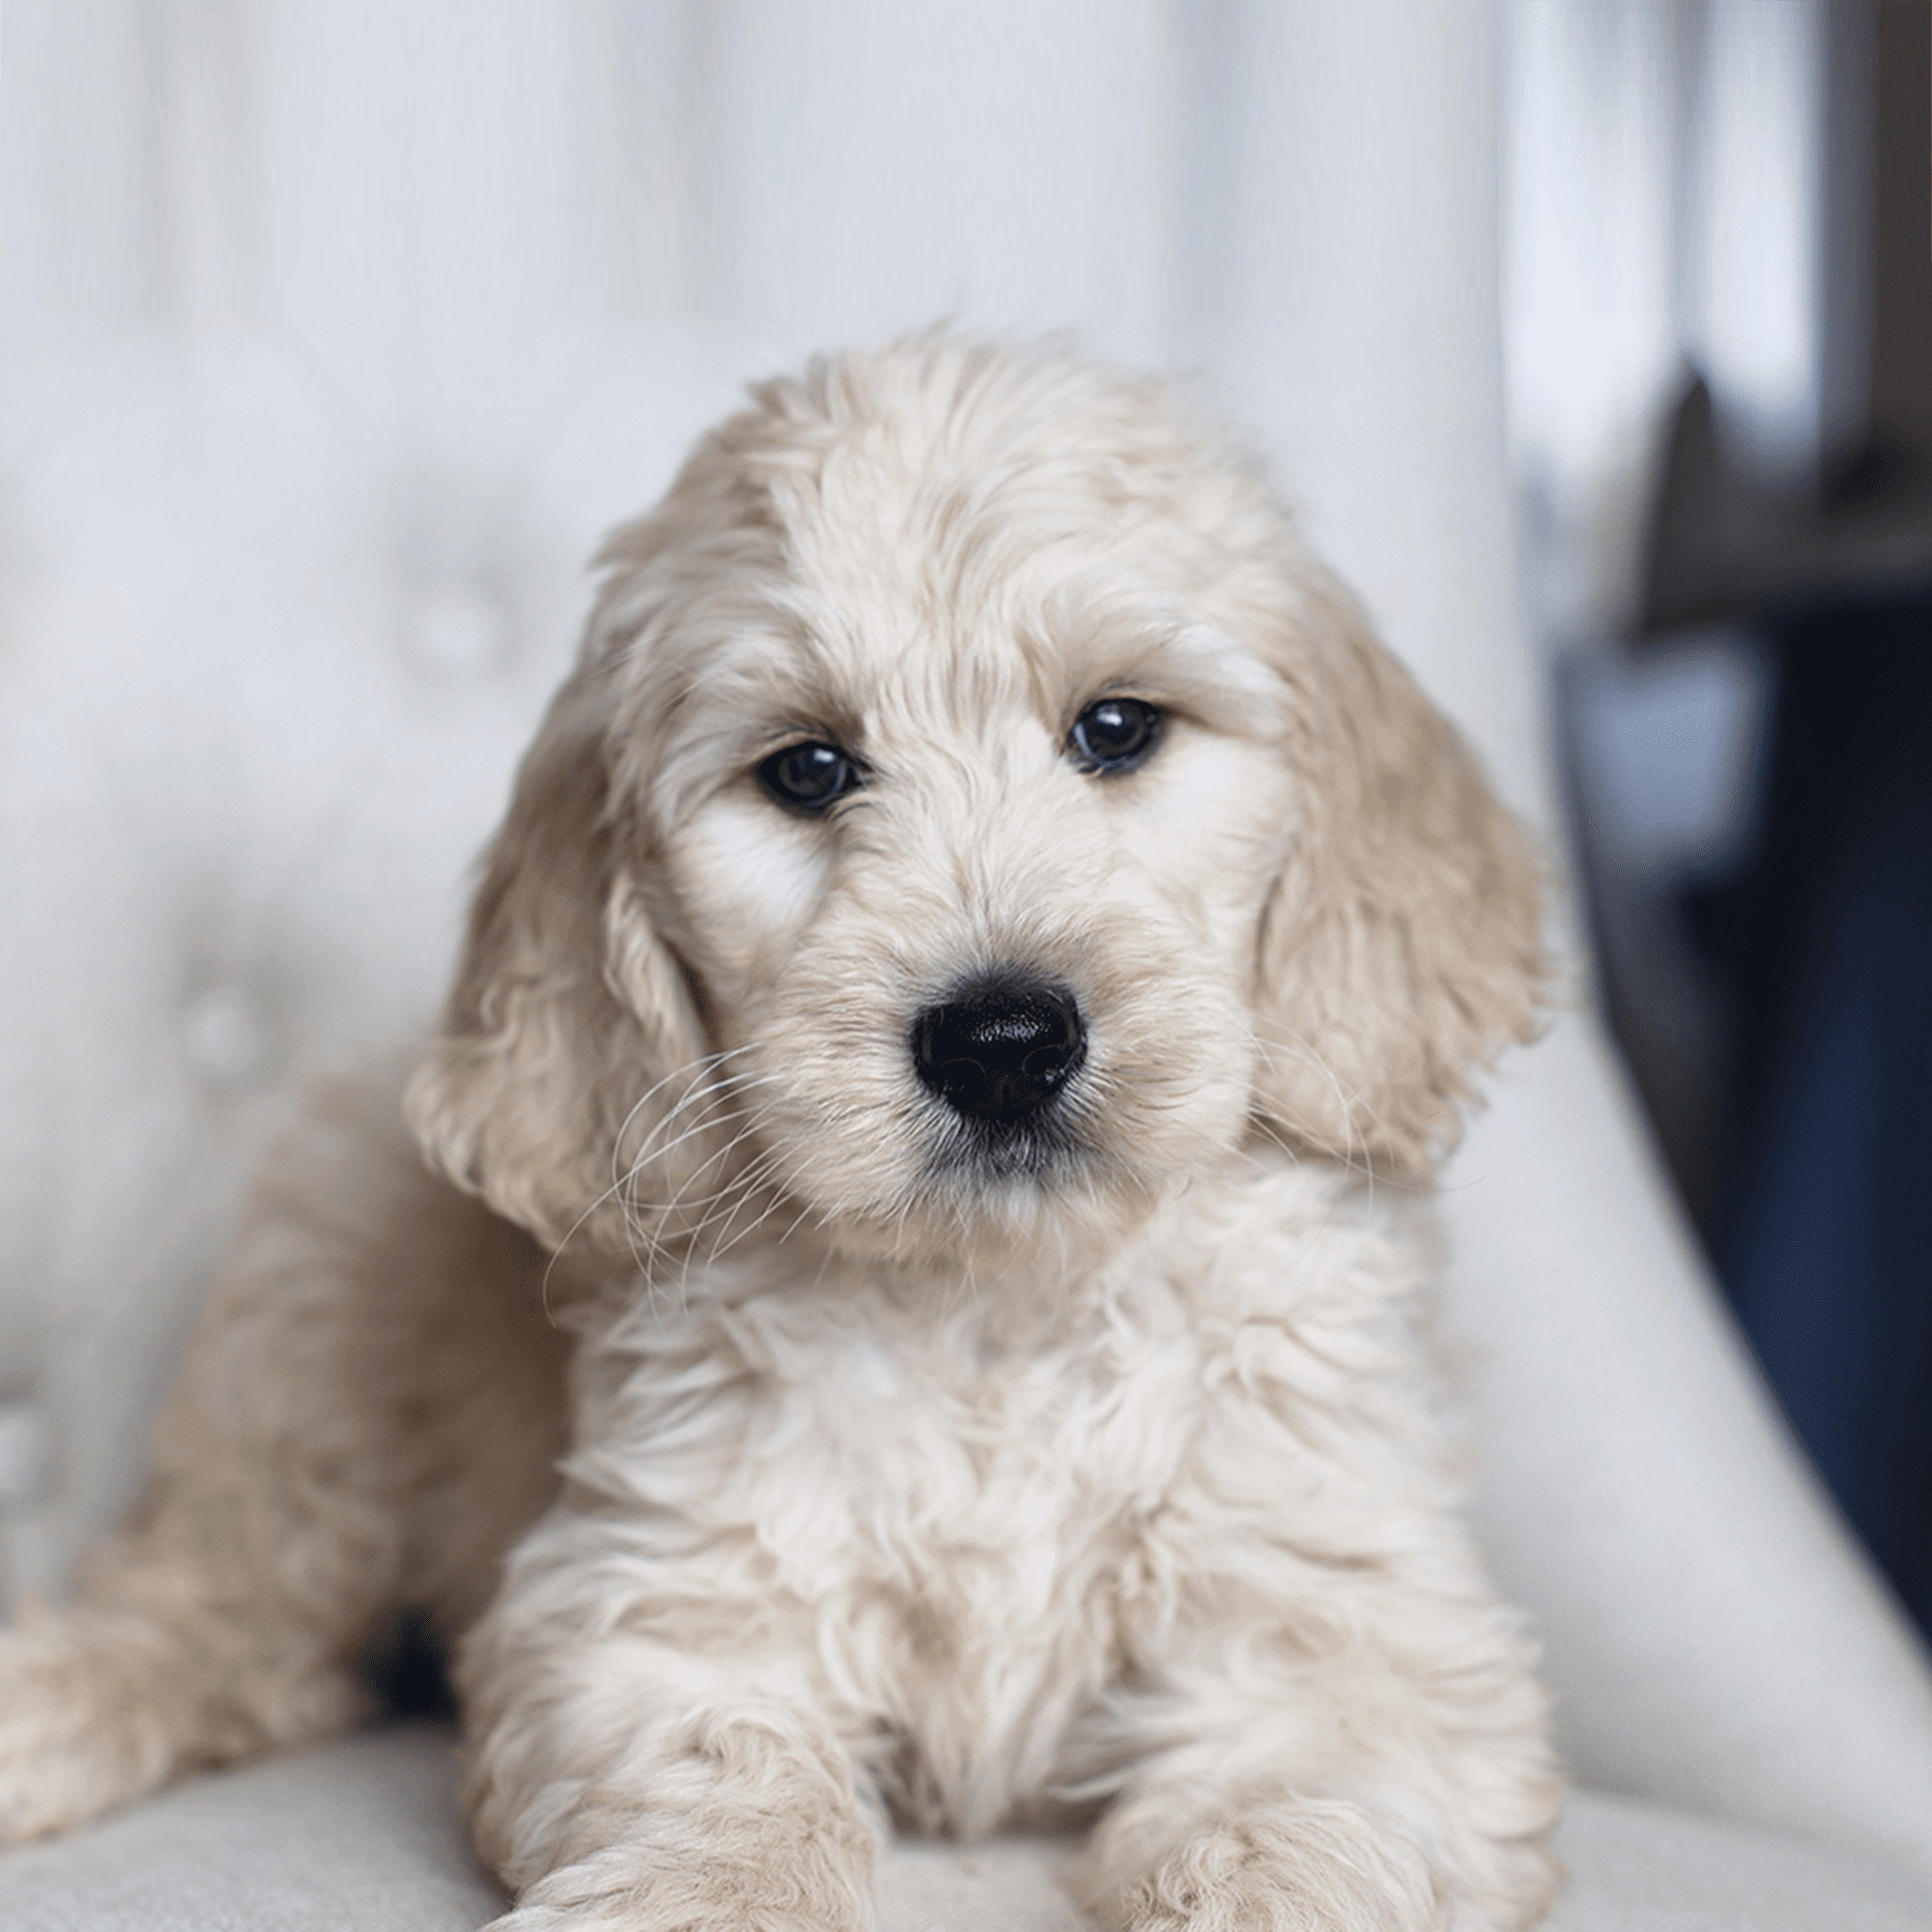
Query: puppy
(967, 941)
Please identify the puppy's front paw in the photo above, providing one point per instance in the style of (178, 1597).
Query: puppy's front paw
(1314, 1866)
(770, 1875)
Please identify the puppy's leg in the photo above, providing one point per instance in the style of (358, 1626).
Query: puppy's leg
(369, 1412)
(1405, 1787)
(620, 1783)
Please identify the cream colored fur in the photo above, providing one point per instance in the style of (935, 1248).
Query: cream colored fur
(898, 1493)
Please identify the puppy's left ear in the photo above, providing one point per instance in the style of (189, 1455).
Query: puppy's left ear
(1401, 946)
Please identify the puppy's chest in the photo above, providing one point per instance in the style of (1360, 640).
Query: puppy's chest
(946, 1524)
(855, 1451)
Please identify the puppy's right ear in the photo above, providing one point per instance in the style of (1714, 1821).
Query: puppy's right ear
(569, 1020)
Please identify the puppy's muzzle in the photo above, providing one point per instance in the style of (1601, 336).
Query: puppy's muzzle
(999, 1050)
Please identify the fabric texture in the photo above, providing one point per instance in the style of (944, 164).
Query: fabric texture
(365, 1836)
(361, 1836)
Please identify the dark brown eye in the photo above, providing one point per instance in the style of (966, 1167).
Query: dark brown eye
(1116, 734)
(809, 777)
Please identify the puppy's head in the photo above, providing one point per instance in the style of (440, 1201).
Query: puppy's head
(973, 813)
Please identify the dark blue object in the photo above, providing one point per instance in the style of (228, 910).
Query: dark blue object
(1821, 1227)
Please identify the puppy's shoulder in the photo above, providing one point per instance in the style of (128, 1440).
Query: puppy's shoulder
(1278, 1236)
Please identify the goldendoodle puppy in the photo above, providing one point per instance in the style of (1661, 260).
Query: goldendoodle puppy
(974, 944)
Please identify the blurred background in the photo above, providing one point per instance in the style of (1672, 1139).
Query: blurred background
(1719, 332)
(331, 335)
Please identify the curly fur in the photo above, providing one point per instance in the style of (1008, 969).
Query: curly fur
(898, 1489)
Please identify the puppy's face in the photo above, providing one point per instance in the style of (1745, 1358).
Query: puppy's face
(974, 814)
(970, 873)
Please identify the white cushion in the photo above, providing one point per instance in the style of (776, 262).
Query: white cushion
(364, 1836)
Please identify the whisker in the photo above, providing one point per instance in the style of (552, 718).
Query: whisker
(706, 1066)
(703, 1084)
(753, 1116)
(755, 1119)
(1297, 1050)
(731, 1088)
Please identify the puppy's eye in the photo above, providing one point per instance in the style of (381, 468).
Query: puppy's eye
(809, 777)
(1116, 734)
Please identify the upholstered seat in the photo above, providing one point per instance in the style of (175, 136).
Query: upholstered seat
(364, 1836)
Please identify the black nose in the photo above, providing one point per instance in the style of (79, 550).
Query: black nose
(999, 1050)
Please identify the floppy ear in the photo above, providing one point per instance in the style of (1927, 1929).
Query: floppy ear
(570, 1020)
(1402, 946)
